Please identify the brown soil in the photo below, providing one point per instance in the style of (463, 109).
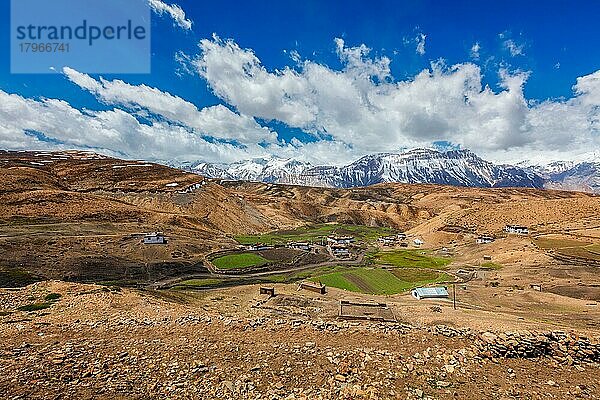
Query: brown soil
(97, 343)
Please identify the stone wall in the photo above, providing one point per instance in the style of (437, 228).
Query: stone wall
(566, 348)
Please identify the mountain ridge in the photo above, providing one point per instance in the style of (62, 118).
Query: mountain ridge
(452, 167)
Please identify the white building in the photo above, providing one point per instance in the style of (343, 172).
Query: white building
(516, 229)
(258, 247)
(340, 240)
(418, 242)
(339, 250)
(387, 240)
(485, 239)
(155, 238)
(299, 246)
(439, 292)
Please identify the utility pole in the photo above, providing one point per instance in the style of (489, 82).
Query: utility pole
(454, 294)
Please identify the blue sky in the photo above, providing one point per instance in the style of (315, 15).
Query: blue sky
(537, 50)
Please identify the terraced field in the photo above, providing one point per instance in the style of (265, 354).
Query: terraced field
(316, 233)
(380, 281)
(558, 242)
(570, 247)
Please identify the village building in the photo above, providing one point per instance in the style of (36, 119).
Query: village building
(516, 229)
(388, 240)
(485, 239)
(536, 286)
(340, 240)
(339, 250)
(418, 242)
(401, 236)
(439, 292)
(155, 238)
(258, 247)
(267, 290)
(305, 246)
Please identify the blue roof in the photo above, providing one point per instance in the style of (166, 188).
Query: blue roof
(431, 292)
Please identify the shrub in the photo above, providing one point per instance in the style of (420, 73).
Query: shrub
(35, 307)
(53, 296)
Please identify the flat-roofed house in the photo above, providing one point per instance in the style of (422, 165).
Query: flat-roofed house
(339, 250)
(300, 246)
(485, 239)
(340, 240)
(258, 247)
(388, 240)
(516, 229)
(155, 238)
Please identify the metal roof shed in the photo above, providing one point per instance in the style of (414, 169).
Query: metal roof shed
(439, 292)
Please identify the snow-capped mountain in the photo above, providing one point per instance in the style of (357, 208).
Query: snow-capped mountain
(567, 175)
(209, 170)
(454, 167)
(273, 170)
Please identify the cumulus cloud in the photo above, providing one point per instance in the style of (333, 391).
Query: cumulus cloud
(215, 121)
(420, 39)
(349, 111)
(54, 124)
(362, 106)
(174, 11)
(475, 51)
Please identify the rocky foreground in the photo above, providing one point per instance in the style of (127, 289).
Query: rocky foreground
(93, 342)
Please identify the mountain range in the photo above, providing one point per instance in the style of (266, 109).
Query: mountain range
(452, 167)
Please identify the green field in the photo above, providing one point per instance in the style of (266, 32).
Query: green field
(243, 260)
(410, 259)
(315, 233)
(491, 265)
(380, 281)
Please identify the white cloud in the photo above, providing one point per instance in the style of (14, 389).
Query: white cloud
(363, 108)
(475, 49)
(514, 48)
(23, 121)
(351, 111)
(174, 11)
(216, 121)
(420, 39)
